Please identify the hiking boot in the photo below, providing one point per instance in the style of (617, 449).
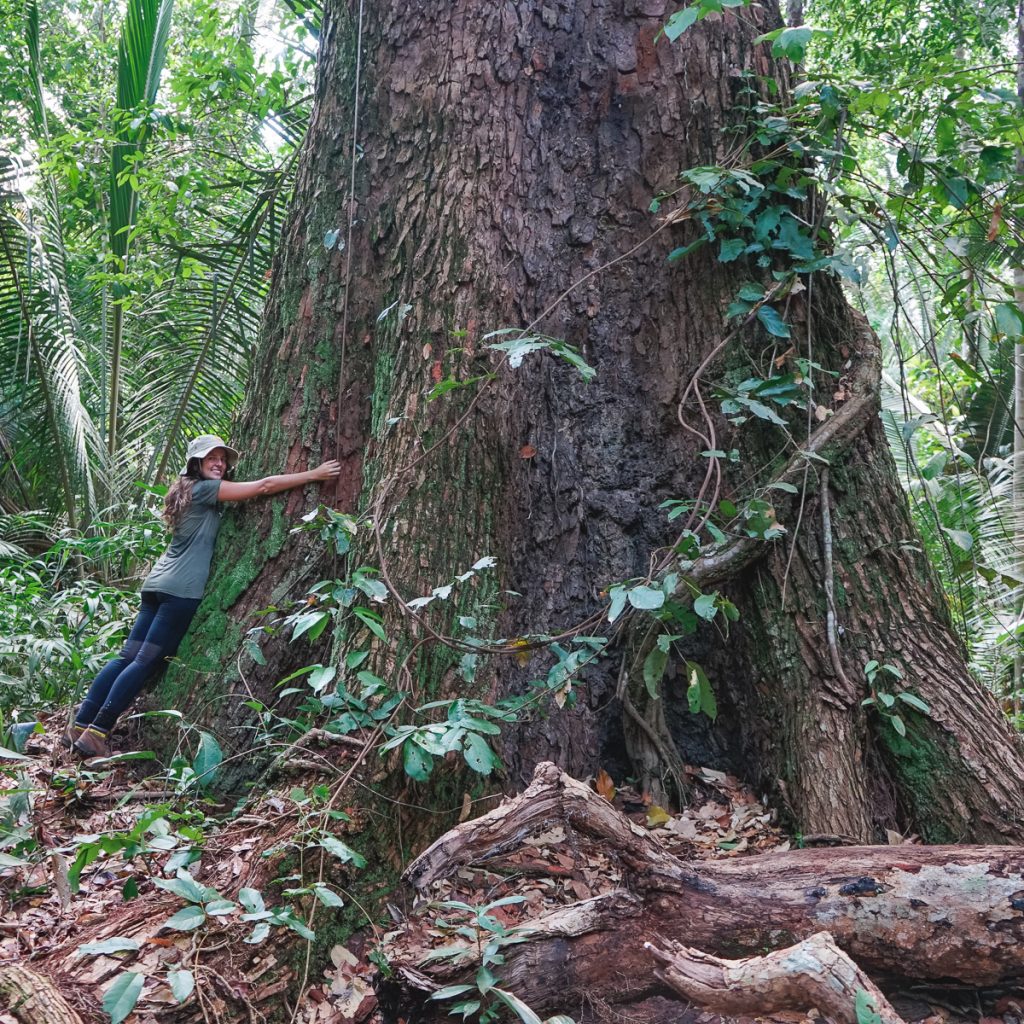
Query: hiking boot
(71, 734)
(91, 743)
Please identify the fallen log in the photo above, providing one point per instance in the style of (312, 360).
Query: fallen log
(813, 973)
(912, 912)
(33, 998)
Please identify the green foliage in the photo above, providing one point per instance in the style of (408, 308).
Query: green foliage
(120, 999)
(912, 145)
(482, 936)
(184, 180)
(522, 345)
(883, 701)
(61, 619)
(864, 1007)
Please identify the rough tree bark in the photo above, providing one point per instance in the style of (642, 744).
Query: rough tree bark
(507, 155)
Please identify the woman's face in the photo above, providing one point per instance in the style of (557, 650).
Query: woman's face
(214, 465)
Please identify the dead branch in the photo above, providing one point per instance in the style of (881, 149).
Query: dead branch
(33, 998)
(813, 973)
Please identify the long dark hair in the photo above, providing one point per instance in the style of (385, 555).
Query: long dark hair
(179, 495)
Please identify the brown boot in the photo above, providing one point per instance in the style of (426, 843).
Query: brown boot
(71, 734)
(92, 743)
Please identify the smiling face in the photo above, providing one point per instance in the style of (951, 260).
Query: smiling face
(214, 465)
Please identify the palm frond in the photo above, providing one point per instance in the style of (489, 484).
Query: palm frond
(35, 327)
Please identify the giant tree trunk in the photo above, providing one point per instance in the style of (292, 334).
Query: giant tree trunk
(507, 157)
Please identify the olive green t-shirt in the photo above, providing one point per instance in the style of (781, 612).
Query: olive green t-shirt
(183, 568)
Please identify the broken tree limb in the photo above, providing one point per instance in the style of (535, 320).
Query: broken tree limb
(33, 998)
(813, 973)
(915, 912)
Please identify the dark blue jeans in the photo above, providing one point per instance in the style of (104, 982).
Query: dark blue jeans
(162, 622)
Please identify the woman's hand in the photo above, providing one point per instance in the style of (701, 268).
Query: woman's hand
(326, 470)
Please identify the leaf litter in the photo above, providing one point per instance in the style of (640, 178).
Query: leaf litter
(550, 869)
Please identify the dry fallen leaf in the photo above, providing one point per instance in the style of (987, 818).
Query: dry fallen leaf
(604, 785)
(657, 816)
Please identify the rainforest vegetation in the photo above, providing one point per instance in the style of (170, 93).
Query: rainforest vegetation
(657, 652)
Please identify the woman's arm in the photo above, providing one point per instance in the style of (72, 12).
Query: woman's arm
(231, 490)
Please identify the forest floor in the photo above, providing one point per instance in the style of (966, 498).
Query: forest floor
(70, 808)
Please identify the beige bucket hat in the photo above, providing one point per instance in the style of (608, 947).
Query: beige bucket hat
(201, 446)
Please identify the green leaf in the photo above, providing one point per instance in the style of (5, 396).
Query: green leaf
(186, 887)
(773, 323)
(519, 347)
(182, 983)
(297, 926)
(646, 598)
(119, 1000)
(372, 621)
(252, 900)
(762, 411)
(355, 658)
(219, 908)
(13, 755)
(792, 43)
(478, 754)
(186, 919)
(679, 22)
(451, 991)
(699, 695)
(961, 538)
(898, 724)
(485, 980)
(705, 606)
(310, 624)
(654, 670)
(114, 945)
(514, 1003)
(1009, 320)
(417, 762)
(617, 602)
(208, 758)
(914, 701)
(327, 896)
(342, 851)
(321, 676)
(731, 249)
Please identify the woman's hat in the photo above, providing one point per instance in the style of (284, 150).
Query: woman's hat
(203, 445)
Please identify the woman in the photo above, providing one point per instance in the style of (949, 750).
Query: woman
(172, 591)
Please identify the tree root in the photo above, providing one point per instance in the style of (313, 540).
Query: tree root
(813, 973)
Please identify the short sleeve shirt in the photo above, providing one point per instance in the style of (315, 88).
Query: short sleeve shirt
(183, 568)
